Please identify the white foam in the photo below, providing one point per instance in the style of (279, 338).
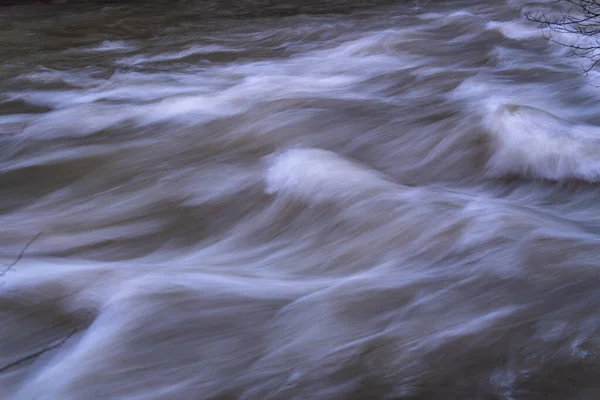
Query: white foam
(515, 30)
(170, 56)
(456, 15)
(532, 142)
(315, 175)
(106, 46)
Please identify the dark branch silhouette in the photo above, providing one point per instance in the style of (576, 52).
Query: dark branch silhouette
(21, 254)
(47, 348)
(38, 353)
(580, 18)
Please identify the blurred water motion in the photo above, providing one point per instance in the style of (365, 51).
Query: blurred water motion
(302, 200)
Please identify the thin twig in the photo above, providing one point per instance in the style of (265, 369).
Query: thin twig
(582, 19)
(38, 353)
(21, 254)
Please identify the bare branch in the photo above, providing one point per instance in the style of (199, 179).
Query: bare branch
(38, 353)
(578, 17)
(21, 254)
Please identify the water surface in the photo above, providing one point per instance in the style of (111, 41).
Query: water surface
(318, 200)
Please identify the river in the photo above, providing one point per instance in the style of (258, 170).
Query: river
(279, 200)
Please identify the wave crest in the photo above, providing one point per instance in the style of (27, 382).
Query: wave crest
(530, 142)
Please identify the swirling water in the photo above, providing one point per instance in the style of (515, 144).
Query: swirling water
(310, 200)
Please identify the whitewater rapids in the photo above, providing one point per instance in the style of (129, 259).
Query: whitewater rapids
(288, 201)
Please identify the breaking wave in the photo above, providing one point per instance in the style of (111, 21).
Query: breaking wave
(533, 143)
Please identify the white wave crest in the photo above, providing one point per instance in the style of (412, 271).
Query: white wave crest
(532, 142)
(515, 30)
(316, 175)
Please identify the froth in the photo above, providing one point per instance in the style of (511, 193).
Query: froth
(515, 30)
(316, 175)
(531, 142)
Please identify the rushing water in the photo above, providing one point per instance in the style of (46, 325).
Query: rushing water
(233, 200)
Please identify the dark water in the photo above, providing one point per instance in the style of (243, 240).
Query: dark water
(310, 200)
